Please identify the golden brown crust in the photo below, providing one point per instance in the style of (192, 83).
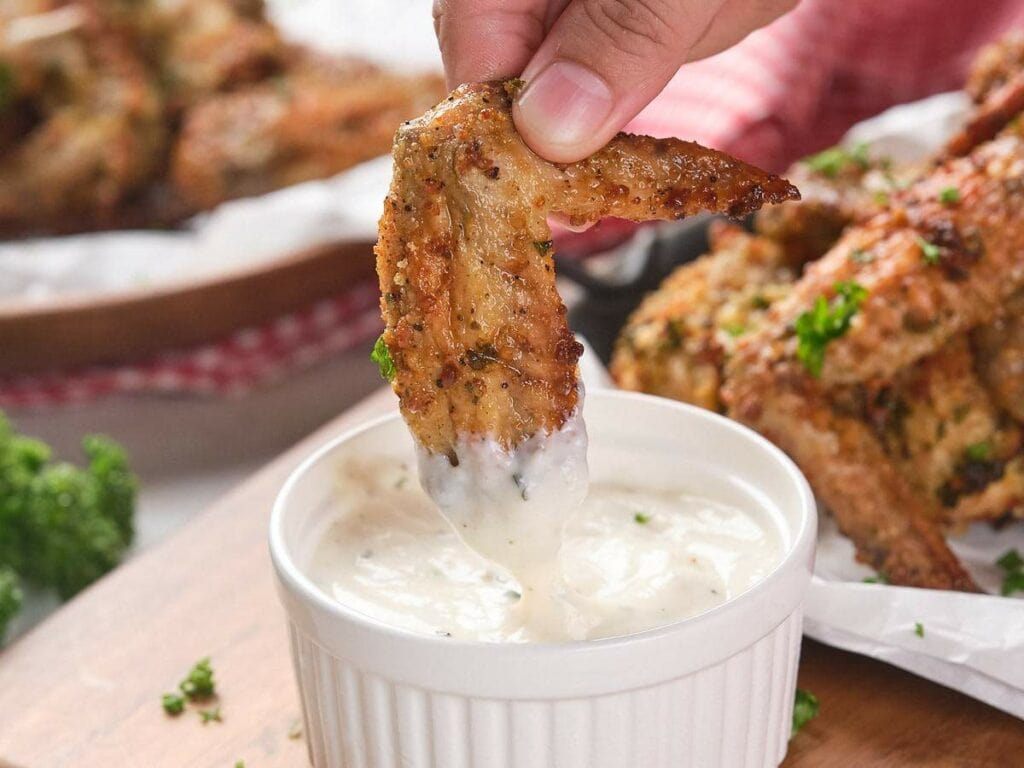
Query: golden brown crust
(996, 64)
(317, 120)
(474, 322)
(998, 109)
(677, 341)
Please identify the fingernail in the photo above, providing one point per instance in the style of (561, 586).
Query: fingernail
(564, 106)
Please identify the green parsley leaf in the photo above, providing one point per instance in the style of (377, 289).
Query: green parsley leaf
(172, 703)
(832, 161)
(381, 355)
(1013, 564)
(881, 198)
(1014, 582)
(543, 246)
(1011, 561)
(736, 329)
(860, 256)
(641, 518)
(930, 251)
(878, 578)
(210, 715)
(239, 763)
(949, 196)
(826, 321)
(760, 302)
(199, 684)
(919, 629)
(805, 709)
(979, 451)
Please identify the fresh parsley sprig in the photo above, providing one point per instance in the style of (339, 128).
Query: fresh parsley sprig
(805, 709)
(1012, 565)
(825, 321)
(381, 355)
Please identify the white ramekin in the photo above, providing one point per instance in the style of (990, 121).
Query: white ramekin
(713, 690)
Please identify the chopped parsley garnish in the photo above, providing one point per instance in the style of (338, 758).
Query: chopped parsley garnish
(878, 578)
(949, 196)
(826, 321)
(929, 251)
(642, 518)
(210, 715)
(199, 683)
(881, 198)
(919, 629)
(381, 355)
(172, 703)
(805, 709)
(979, 451)
(543, 246)
(860, 256)
(760, 302)
(736, 329)
(1013, 566)
(239, 763)
(832, 161)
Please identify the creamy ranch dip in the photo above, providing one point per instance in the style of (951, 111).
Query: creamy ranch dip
(622, 561)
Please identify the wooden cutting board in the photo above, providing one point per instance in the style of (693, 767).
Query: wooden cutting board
(83, 689)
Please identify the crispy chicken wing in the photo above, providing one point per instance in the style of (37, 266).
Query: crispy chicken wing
(1000, 349)
(677, 341)
(931, 270)
(320, 118)
(475, 325)
(90, 128)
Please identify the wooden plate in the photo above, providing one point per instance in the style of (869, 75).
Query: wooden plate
(71, 332)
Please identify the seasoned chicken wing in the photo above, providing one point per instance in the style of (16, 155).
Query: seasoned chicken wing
(677, 341)
(931, 268)
(475, 325)
(86, 117)
(320, 118)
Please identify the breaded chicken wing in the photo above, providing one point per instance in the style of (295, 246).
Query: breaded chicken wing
(475, 325)
(1000, 350)
(320, 118)
(931, 270)
(90, 121)
(676, 343)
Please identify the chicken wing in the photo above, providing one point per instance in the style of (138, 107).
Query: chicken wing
(933, 266)
(320, 118)
(677, 341)
(475, 325)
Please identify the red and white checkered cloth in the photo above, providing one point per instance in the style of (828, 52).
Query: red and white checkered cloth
(785, 91)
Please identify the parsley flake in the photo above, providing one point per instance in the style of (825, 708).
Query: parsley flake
(834, 160)
(930, 251)
(878, 578)
(199, 684)
(979, 451)
(919, 629)
(210, 715)
(860, 256)
(805, 709)
(949, 196)
(1013, 565)
(642, 518)
(736, 329)
(381, 355)
(826, 321)
(172, 703)
(543, 246)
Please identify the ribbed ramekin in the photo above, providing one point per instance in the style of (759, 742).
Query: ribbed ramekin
(713, 690)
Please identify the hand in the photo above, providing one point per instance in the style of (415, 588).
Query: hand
(589, 65)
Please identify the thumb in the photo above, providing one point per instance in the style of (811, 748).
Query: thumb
(601, 63)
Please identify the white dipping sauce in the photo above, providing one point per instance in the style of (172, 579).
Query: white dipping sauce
(625, 560)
